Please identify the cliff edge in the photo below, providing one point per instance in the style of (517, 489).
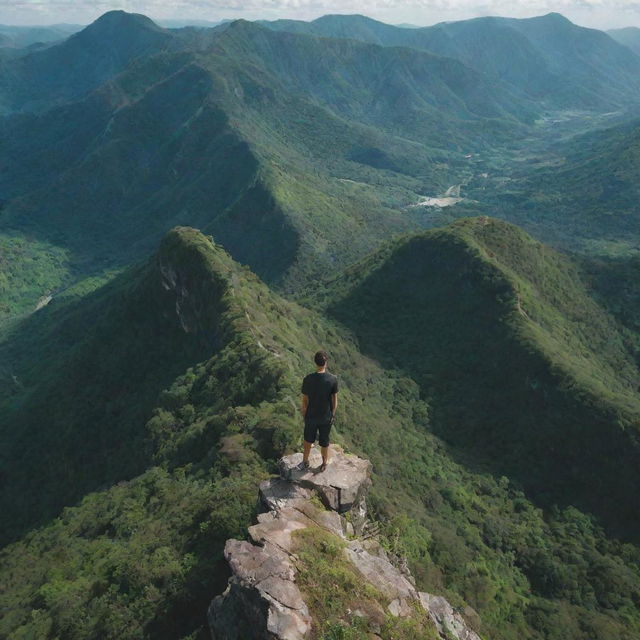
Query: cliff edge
(308, 570)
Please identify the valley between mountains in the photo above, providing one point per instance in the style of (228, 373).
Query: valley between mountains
(188, 214)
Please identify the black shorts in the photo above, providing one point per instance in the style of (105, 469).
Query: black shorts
(311, 431)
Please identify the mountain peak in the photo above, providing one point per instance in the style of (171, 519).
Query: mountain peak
(332, 17)
(553, 18)
(119, 20)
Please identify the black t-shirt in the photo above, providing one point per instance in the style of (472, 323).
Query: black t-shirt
(319, 387)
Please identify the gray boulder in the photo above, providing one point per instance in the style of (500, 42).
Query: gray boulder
(341, 487)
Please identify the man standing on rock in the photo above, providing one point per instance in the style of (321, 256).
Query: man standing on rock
(319, 402)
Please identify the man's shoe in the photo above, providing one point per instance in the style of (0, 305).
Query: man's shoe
(304, 465)
(323, 466)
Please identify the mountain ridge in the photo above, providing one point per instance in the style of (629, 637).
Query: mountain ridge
(491, 380)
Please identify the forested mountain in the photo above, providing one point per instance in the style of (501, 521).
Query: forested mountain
(281, 144)
(599, 178)
(26, 36)
(513, 331)
(581, 192)
(43, 79)
(149, 380)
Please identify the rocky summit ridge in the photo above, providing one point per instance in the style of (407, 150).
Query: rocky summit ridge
(263, 600)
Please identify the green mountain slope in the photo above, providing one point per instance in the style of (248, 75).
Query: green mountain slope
(579, 193)
(600, 174)
(142, 558)
(70, 408)
(520, 364)
(616, 282)
(546, 58)
(300, 153)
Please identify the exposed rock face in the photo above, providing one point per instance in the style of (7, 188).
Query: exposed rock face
(263, 602)
(446, 619)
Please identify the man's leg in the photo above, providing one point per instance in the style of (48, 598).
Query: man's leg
(309, 439)
(307, 451)
(324, 443)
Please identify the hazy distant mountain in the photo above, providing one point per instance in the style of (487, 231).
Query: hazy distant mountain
(547, 58)
(70, 70)
(177, 24)
(629, 37)
(18, 36)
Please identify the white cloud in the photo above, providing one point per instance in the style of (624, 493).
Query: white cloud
(604, 13)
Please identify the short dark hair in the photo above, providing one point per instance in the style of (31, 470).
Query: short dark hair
(321, 358)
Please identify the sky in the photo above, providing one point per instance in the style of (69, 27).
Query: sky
(602, 14)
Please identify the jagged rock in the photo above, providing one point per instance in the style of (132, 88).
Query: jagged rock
(400, 608)
(255, 564)
(275, 530)
(449, 623)
(247, 611)
(263, 602)
(286, 499)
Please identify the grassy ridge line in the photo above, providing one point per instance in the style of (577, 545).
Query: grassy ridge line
(560, 316)
(144, 557)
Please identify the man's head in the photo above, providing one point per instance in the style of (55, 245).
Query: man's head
(321, 358)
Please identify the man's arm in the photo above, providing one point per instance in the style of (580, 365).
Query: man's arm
(334, 403)
(305, 404)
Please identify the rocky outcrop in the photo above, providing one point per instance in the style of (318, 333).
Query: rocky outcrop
(263, 601)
